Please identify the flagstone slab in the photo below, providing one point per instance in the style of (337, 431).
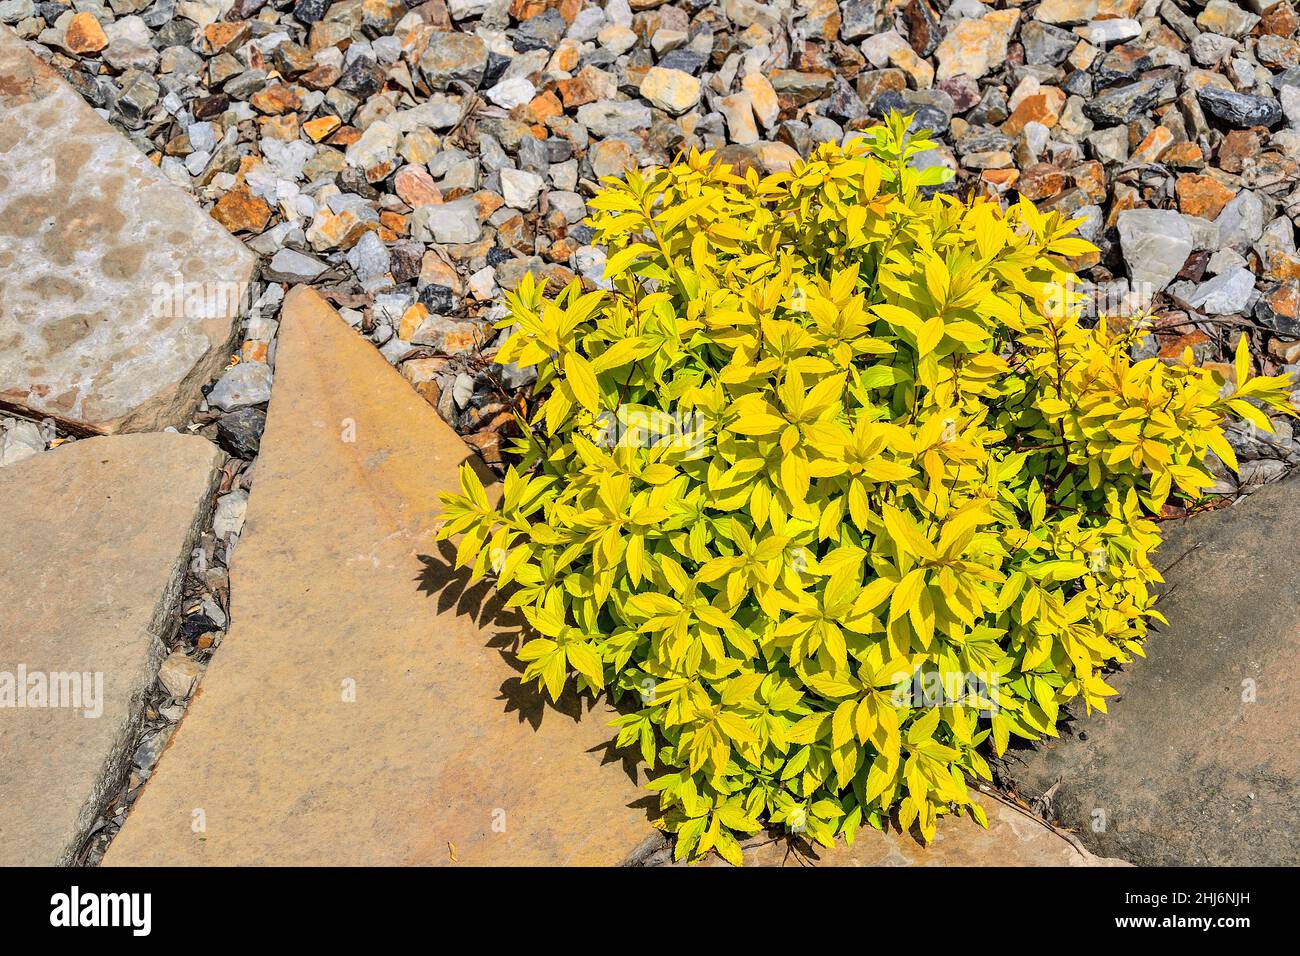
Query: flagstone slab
(1196, 762)
(95, 537)
(361, 709)
(1013, 838)
(119, 297)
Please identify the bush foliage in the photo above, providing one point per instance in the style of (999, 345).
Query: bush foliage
(825, 443)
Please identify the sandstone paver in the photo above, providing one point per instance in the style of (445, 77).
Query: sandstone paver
(359, 712)
(119, 296)
(94, 540)
(1196, 763)
(1013, 838)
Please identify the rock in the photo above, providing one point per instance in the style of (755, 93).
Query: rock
(452, 222)
(248, 383)
(976, 46)
(1102, 33)
(1204, 724)
(512, 92)
(1156, 243)
(453, 57)
(1225, 294)
(1202, 196)
(179, 675)
(1240, 109)
(19, 440)
(1279, 310)
(861, 18)
(1226, 19)
(154, 310)
(95, 531)
(672, 91)
(1123, 104)
(1046, 44)
(520, 188)
(289, 265)
(1241, 222)
(84, 34)
(241, 211)
(613, 118)
(228, 517)
(739, 113)
(240, 432)
(1069, 12)
(390, 753)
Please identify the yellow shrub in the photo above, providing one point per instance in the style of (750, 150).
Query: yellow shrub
(832, 491)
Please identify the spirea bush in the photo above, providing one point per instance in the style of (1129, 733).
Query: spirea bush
(833, 486)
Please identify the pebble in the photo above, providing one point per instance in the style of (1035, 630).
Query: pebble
(434, 154)
(248, 383)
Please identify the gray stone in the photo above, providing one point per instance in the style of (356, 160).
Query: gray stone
(1225, 294)
(122, 297)
(1195, 764)
(248, 383)
(289, 265)
(228, 517)
(19, 440)
(452, 58)
(452, 222)
(1123, 104)
(520, 188)
(1242, 221)
(613, 118)
(1241, 110)
(1155, 243)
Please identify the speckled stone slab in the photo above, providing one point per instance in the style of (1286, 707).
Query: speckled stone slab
(119, 297)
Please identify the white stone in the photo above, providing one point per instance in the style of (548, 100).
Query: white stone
(520, 188)
(512, 92)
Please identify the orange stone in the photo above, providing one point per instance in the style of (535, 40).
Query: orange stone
(222, 37)
(392, 226)
(283, 128)
(277, 98)
(543, 107)
(1041, 181)
(1184, 156)
(240, 211)
(1202, 196)
(85, 35)
(1153, 145)
(344, 136)
(1043, 107)
(412, 319)
(576, 91)
(416, 187)
(1090, 176)
(321, 127)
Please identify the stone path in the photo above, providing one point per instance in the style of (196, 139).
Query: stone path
(1196, 763)
(119, 297)
(358, 711)
(94, 538)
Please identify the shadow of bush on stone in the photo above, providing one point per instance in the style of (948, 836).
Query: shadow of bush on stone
(507, 631)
